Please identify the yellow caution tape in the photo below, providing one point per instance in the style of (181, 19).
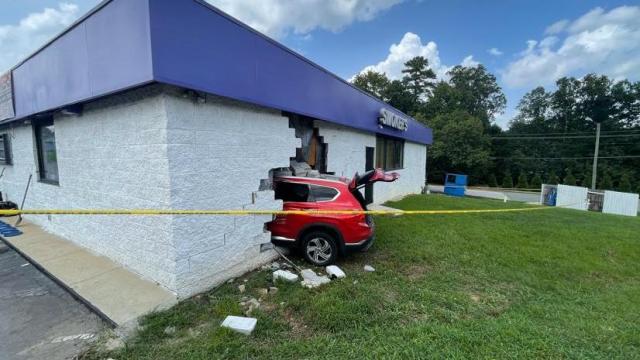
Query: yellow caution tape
(261, 212)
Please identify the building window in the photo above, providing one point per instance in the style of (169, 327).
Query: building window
(5, 149)
(46, 148)
(389, 153)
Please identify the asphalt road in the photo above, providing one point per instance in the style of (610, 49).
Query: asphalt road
(39, 319)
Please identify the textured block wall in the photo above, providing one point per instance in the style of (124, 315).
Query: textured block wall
(112, 156)
(218, 151)
(346, 156)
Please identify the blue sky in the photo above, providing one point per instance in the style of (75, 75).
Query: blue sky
(347, 37)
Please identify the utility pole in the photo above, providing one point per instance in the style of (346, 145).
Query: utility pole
(595, 158)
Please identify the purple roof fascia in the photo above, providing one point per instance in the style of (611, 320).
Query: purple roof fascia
(107, 51)
(122, 44)
(197, 46)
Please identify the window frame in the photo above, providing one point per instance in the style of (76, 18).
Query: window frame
(6, 144)
(382, 146)
(37, 128)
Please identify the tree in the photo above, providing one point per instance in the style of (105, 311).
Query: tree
(536, 182)
(397, 95)
(418, 78)
(373, 82)
(553, 179)
(492, 181)
(569, 179)
(460, 144)
(522, 181)
(478, 92)
(625, 183)
(606, 183)
(507, 181)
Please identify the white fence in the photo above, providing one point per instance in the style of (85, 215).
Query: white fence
(620, 203)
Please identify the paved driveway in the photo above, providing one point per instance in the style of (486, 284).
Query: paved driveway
(38, 319)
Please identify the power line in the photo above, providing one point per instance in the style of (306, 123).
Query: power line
(565, 158)
(559, 137)
(574, 133)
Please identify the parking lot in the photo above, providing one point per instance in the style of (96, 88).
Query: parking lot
(39, 319)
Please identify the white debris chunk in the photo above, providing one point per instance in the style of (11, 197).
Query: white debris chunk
(312, 280)
(285, 275)
(369, 268)
(241, 288)
(240, 324)
(335, 272)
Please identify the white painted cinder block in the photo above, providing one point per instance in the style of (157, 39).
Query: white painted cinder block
(154, 148)
(346, 156)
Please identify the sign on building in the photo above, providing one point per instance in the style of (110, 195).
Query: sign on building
(6, 97)
(393, 120)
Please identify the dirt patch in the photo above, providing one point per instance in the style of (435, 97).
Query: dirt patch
(416, 272)
(298, 328)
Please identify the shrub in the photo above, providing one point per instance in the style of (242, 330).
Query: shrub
(625, 183)
(605, 182)
(536, 182)
(492, 181)
(522, 181)
(507, 181)
(569, 179)
(553, 178)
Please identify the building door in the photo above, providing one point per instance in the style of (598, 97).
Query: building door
(368, 189)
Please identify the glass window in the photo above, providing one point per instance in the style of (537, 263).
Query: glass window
(389, 153)
(5, 150)
(323, 193)
(46, 147)
(288, 191)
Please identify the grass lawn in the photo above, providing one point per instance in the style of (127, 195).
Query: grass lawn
(554, 283)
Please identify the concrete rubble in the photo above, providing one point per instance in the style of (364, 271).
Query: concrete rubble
(243, 325)
(241, 288)
(335, 272)
(285, 276)
(312, 280)
(369, 268)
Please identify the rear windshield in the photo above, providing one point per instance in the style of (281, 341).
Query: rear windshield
(287, 191)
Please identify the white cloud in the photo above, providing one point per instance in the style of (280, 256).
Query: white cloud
(599, 41)
(557, 27)
(18, 41)
(409, 47)
(495, 52)
(277, 18)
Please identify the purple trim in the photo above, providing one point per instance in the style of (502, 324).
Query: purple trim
(125, 43)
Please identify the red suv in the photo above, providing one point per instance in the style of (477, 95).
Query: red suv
(321, 237)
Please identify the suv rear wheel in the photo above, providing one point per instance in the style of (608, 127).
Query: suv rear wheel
(319, 248)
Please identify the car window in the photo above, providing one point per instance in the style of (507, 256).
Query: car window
(323, 193)
(287, 191)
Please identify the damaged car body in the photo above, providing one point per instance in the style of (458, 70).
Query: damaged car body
(322, 237)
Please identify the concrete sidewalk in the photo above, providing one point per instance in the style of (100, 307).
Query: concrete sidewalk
(113, 291)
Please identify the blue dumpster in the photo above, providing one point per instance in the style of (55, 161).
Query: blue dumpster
(455, 184)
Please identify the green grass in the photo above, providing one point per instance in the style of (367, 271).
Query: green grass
(543, 284)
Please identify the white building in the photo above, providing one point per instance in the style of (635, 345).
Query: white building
(144, 115)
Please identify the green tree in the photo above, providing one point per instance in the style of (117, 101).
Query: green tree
(373, 82)
(536, 181)
(522, 181)
(460, 144)
(569, 179)
(625, 183)
(479, 92)
(492, 181)
(398, 96)
(507, 181)
(606, 183)
(553, 179)
(418, 78)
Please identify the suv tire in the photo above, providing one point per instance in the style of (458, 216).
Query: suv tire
(319, 248)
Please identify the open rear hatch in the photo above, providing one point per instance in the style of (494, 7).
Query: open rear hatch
(370, 177)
